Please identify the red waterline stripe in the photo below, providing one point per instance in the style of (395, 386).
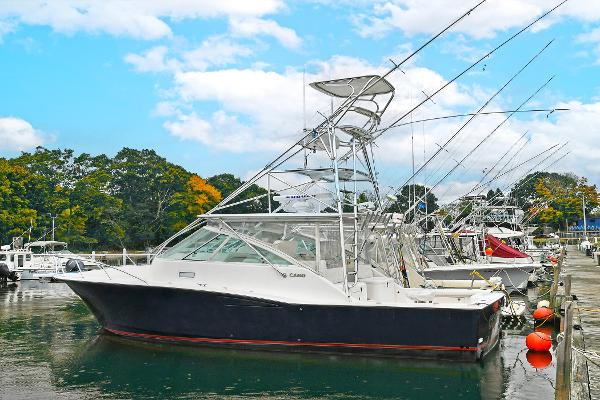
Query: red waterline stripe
(283, 343)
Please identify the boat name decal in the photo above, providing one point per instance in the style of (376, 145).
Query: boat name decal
(294, 275)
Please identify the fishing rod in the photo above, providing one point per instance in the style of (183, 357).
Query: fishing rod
(484, 113)
(488, 171)
(482, 141)
(512, 158)
(548, 201)
(520, 182)
(535, 167)
(519, 165)
(512, 78)
(285, 156)
(342, 109)
(502, 169)
(517, 180)
(511, 170)
(473, 65)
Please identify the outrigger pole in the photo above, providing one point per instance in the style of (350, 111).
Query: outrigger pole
(514, 76)
(473, 65)
(336, 114)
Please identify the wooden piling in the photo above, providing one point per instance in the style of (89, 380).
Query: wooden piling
(563, 356)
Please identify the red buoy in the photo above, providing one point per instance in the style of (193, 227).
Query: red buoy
(538, 341)
(489, 251)
(543, 313)
(539, 360)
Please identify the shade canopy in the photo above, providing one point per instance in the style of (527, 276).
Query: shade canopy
(347, 87)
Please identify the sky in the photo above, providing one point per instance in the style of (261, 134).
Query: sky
(218, 86)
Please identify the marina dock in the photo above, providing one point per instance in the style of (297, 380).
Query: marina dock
(585, 314)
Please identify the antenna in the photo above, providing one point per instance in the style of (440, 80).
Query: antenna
(304, 115)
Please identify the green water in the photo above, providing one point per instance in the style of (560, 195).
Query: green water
(51, 347)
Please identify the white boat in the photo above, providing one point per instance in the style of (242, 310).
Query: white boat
(305, 274)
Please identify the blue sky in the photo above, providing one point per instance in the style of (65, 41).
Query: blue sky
(217, 87)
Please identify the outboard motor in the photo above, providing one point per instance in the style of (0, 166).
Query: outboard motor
(74, 266)
(5, 273)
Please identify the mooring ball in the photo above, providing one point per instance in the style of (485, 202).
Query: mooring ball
(489, 251)
(543, 313)
(538, 341)
(539, 360)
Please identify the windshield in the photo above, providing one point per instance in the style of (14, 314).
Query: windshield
(207, 245)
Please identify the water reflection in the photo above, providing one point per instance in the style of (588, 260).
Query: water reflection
(154, 370)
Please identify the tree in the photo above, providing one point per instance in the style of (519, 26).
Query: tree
(198, 197)
(560, 200)
(16, 215)
(525, 194)
(407, 196)
(227, 183)
(147, 185)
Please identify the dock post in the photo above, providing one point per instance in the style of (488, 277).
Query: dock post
(555, 276)
(124, 257)
(563, 357)
(567, 286)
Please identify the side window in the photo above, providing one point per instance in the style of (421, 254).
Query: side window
(28, 257)
(189, 244)
(2, 257)
(207, 249)
(238, 251)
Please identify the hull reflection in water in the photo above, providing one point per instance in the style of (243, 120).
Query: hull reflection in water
(148, 370)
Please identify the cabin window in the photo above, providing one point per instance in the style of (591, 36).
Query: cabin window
(2, 257)
(207, 249)
(189, 244)
(236, 250)
(28, 257)
(12, 258)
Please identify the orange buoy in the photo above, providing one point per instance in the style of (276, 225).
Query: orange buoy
(543, 313)
(539, 360)
(489, 251)
(538, 341)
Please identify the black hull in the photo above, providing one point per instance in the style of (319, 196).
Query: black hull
(219, 319)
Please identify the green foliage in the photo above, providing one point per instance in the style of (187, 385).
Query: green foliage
(554, 198)
(227, 183)
(407, 194)
(136, 199)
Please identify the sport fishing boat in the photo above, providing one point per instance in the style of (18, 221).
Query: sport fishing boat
(459, 257)
(317, 271)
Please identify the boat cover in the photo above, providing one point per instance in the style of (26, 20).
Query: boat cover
(502, 250)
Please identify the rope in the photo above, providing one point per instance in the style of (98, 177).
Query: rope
(494, 286)
(591, 356)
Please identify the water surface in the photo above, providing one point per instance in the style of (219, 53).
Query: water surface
(51, 347)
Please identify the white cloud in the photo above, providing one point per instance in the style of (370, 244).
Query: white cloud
(262, 110)
(428, 17)
(6, 27)
(250, 27)
(142, 19)
(18, 135)
(213, 51)
(592, 37)
(152, 60)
